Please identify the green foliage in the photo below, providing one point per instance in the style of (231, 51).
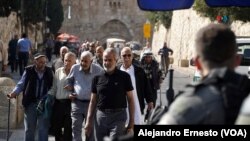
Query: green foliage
(56, 15)
(164, 18)
(234, 13)
(33, 11)
(6, 6)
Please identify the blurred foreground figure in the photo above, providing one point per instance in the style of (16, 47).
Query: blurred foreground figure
(217, 98)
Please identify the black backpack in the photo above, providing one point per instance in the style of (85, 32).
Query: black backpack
(233, 87)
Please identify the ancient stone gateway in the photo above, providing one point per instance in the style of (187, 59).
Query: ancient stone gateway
(114, 29)
(102, 19)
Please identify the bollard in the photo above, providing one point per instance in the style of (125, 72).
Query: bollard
(170, 91)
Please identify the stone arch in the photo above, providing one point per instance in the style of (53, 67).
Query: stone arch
(114, 29)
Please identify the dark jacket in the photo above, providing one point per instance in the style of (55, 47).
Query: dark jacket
(143, 88)
(156, 74)
(29, 93)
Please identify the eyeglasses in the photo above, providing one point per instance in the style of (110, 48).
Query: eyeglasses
(126, 55)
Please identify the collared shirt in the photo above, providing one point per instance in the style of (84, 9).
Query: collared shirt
(111, 89)
(24, 45)
(138, 118)
(59, 82)
(82, 80)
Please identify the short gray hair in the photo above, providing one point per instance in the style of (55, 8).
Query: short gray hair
(111, 50)
(87, 53)
(64, 47)
(71, 54)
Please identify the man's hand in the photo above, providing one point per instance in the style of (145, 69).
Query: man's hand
(68, 87)
(72, 96)
(11, 95)
(130, 130)
(88, 128)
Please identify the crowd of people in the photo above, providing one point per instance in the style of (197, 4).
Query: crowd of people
(105, 89)
(110, 90)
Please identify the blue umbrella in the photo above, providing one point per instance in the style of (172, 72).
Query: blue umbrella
(169, 5)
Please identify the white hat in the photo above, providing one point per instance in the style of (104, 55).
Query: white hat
(38, 55)
(147, 53)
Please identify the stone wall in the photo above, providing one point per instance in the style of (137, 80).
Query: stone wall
(101, 19)
(10, 25)
(15, 109)
(180, 37)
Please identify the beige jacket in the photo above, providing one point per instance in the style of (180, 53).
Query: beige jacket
(3, 54)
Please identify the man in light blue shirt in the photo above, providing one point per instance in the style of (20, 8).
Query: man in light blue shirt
(79, 81)
(24, 51)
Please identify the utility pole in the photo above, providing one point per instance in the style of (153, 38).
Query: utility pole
(170, 91)
(69, 9)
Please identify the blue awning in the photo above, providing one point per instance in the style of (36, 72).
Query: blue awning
(169, 5)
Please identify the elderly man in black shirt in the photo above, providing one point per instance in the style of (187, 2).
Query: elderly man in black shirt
(109, 94)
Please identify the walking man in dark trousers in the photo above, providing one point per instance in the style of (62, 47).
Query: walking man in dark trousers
(62, 107)
(24, 51)
(12, 50)
(110, 94)
(35, 82)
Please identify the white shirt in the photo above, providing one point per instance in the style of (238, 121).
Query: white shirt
(138, 117)
(59, 82)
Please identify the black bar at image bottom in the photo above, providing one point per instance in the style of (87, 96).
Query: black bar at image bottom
(194, 132)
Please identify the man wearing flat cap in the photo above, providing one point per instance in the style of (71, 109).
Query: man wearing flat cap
(35, 82)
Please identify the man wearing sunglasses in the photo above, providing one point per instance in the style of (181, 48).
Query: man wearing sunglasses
(142, 90)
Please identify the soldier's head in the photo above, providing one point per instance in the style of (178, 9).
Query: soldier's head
(216, 47)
